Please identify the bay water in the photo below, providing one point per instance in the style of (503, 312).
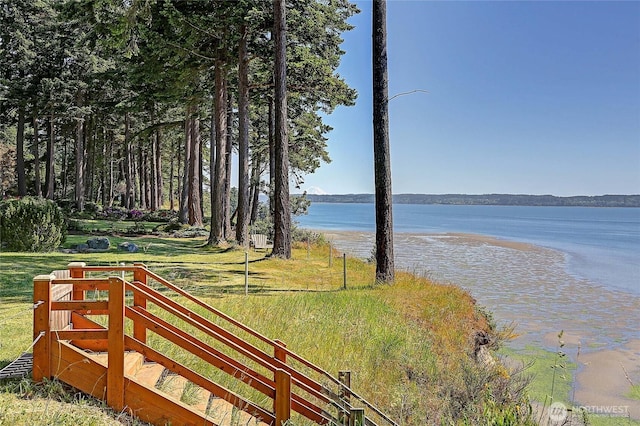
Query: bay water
(544, 269)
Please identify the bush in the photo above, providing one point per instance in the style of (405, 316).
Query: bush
(115, 213)
(31, 224)
(161, 216)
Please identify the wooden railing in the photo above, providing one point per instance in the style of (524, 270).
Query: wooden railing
(272, 375)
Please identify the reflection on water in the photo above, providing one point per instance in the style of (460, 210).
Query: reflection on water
(520, 283)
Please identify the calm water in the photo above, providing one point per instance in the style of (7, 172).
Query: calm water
(600, 244)
(544, 268)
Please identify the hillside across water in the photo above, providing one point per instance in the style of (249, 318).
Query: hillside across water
(489, 199)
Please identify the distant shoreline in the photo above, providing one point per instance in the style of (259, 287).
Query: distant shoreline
(488, 200)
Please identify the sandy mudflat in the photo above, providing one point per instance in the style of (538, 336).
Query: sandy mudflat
(530, 286)
(604, 378)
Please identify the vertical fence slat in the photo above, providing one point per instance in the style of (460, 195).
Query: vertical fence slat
(42, 325)
(279, 351)
(60, 320)
(140, 275)
(282, 402)
(345, 378)
(357, 417)
(115, 370)
(76, 270)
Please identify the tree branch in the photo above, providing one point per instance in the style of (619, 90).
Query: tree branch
(190, 51)
(155, 126)
(407, 93)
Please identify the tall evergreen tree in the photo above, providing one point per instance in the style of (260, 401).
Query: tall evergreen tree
(282, 207)
(242, 222)
(385, 271)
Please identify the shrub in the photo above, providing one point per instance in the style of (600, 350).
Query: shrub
(161, 216)
(115, 213)
(169, 227)
(31, 224)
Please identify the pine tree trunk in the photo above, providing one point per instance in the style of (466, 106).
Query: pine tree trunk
(80, 157)
(158, 169)
(217, 214)
(282, 208)
(242, 222)
(153, 193)
(128, 169)
(89, 144)
(20, 169)
(201, 171)
(382, 156)
(255, 189)
(272, 156)
(184, 194)
(227, 163)
(50, 176)
(194, 203)
(171, 176)
(104, 169)
(36, 156)
(212, 171)
(65, 166)
(110, 157)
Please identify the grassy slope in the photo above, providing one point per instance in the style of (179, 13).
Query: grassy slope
(407, 345)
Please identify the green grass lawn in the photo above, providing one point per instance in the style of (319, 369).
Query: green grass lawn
(409, 346)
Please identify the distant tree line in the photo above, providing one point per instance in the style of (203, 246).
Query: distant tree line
(489, 199)
(141, 104)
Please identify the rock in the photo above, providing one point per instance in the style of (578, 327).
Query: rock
(484, 357)
(81, 248)
(482, 352)
(99, 243)
(127, 246)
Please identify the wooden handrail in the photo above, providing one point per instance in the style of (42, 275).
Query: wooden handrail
(274, 345)
(205, 352)
(213, 330)
(198, 379)
(143, 320)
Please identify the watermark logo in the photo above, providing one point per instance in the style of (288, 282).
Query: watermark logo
(558, 412)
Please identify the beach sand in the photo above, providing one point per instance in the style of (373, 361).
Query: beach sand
(529, 286)
(604, 379)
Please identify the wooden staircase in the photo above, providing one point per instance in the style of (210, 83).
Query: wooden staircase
(129, 337)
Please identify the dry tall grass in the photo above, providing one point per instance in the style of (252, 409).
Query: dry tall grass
(410, 346)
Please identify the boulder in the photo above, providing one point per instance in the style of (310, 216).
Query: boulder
(81, 248)
(99, 243)
(127, 246)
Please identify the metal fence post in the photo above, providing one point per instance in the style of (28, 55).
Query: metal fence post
(344, 270)
(246, 273)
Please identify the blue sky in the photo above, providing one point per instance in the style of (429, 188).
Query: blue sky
(523, 97)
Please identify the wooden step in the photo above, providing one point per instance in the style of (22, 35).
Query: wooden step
(132, 361)
(201, 397)
(149, 374)
(178, 389)
(225, 414)
(172, 384)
